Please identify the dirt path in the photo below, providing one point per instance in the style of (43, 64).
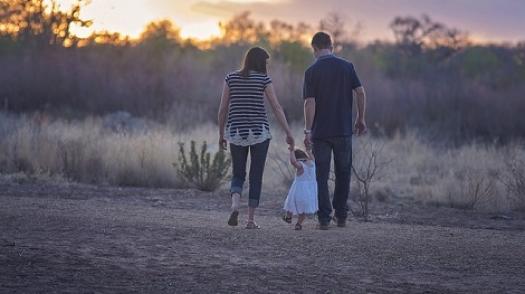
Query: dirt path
(107, 240)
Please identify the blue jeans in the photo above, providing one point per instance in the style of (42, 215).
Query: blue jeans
(341, 147)
(239, 155)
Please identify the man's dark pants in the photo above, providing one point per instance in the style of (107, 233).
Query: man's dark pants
(341, 147)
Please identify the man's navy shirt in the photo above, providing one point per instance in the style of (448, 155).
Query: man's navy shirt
(331, 81)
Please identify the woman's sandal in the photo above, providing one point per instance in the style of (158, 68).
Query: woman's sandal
(287, 219)
(251, 225)
(234, 218)
(298, 227)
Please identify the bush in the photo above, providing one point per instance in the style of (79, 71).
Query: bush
(200, 171)
(472, 188)
(514, 180)
(369, 160)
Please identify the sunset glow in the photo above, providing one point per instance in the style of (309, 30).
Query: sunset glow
(199, 19)
(201, 31)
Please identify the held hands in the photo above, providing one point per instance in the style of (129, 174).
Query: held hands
(308, 141)
(360, 127)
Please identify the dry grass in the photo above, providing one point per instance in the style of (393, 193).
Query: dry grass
(466, 177)
(141, 154)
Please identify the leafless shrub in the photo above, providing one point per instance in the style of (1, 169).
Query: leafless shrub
(514, 179)
(473, 188)
(368, 162)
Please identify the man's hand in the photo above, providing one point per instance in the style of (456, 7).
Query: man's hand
(223, 144)
(309, 114)
(360, 127)
(308, 141)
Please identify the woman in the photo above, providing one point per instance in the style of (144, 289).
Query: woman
(244, 124)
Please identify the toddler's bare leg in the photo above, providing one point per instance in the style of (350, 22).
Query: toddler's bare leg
(301, 218)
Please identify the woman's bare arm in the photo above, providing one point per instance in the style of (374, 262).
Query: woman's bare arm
(223, 111)
(279, 113)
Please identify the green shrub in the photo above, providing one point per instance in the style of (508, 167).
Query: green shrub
(199, 170)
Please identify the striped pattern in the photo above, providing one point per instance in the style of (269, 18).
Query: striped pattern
(247, 119)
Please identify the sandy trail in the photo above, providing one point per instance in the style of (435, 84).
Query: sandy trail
(92, 240)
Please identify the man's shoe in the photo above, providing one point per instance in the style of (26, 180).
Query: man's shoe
(341, 222)
(323, 226)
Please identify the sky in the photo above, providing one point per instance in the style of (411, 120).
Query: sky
(485, 20)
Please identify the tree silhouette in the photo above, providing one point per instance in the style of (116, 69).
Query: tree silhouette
(413, 35)
(41, 23)
(334, 24)
(160, 31)
(241, 29)
(106, 38)
(160, 37)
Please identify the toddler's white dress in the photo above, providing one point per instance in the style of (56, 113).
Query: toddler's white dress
(302, 197)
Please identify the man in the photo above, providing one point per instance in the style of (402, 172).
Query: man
(329, 87)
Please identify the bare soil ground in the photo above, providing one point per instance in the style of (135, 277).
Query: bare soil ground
(72, 238)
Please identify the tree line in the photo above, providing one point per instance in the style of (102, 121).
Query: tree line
(432, 77)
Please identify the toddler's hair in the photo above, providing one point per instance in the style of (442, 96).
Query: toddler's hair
(300, 154)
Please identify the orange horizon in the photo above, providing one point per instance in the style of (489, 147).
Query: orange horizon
(130, 21)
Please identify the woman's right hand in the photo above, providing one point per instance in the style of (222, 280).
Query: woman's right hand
(290, 141)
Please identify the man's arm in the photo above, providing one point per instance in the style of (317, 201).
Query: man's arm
(309, 114)
(360, 124)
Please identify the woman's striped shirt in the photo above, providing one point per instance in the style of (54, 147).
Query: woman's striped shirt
(247, 120)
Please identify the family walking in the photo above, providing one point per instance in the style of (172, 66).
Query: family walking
(330, 85)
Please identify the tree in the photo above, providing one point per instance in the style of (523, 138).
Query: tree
(335, 24)
(519, 54)
(302, 32)
(281, 31)
(41, 23)
(160, 37)
(241, 29)
(413, 35)
(161, 31)
(106, 38)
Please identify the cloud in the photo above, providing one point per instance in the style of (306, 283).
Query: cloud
(213, 9)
